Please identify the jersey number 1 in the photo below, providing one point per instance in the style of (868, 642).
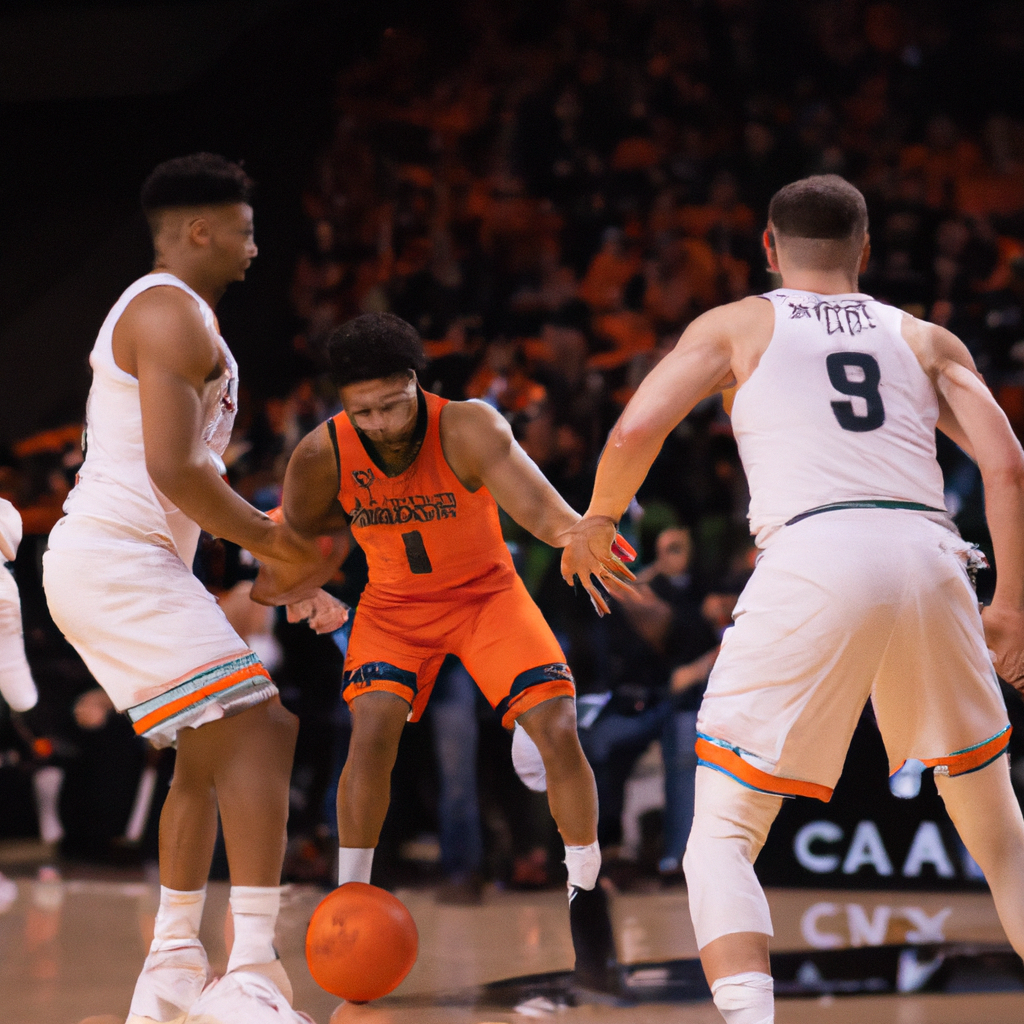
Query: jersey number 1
(419, 560)
(838, 364)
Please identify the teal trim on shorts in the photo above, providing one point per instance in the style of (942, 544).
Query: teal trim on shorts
(197, 682)
(736, 778)
(838, 506)
(984, 743)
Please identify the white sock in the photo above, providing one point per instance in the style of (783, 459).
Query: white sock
(745, 998)
(355, 864)
(179, 914)
(254, 910)
(583, 864)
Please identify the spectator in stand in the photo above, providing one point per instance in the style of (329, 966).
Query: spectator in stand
(660, 650)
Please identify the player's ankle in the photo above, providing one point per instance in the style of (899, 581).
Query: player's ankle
(254, 911)
(355, 864)
(180, 914)
(583, 864)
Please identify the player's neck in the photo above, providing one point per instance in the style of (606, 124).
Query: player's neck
(821, 282)
(209, 289)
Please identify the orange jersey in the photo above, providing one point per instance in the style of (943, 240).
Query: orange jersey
(423, 531)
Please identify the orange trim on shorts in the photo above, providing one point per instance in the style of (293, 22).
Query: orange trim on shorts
(537, 694)
(961, 762)
(407, 693)
(161, 714)
(728, 761)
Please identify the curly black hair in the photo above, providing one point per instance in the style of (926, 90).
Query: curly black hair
(195, 180)
(374, 346)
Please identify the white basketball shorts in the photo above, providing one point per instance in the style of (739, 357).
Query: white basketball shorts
(844, 605)
(150, 633)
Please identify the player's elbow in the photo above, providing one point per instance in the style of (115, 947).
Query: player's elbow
(1004, 470)
(634, 433)
(174, 478)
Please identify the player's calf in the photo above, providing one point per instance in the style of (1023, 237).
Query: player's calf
(730, 914)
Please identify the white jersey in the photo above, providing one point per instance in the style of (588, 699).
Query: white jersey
(113, 485)
(838, 410)
(10, 531)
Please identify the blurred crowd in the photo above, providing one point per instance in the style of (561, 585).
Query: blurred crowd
(550, 193)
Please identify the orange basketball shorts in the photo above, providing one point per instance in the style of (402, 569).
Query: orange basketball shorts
(397, 646)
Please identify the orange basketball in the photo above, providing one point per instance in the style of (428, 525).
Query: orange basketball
(361, 942)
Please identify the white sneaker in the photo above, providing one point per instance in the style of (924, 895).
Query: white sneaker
(172, 979)
(244, 997)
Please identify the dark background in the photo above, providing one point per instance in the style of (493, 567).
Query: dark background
(92, 97)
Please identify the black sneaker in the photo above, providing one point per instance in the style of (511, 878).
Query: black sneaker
(596, 964)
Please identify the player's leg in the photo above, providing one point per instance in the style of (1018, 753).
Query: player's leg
(250, 755)
(241, 763)
(176, 969)
(364, 790)
(728, 907)
(985, 811)
(572, 792)
(572, 797)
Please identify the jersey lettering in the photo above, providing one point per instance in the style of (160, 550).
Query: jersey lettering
(843, 316)
(839, 365)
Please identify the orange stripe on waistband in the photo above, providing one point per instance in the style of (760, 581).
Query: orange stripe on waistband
(973, 758)
(164, 712)
(731, 763)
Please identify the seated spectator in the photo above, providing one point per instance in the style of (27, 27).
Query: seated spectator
(660, 651)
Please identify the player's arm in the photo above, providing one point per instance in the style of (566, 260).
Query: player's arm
(479, 446)
(699, 365)
(164, 341)
(310, 506)
(974, 414)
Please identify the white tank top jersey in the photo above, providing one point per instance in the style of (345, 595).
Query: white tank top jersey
(838, 410)
(113, 485)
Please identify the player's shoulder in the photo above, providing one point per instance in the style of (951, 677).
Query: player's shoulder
(165, 326)
(473, 435)
(471, 418)
(933, 345)
(162, 301)
(746, 320)
(317, 444)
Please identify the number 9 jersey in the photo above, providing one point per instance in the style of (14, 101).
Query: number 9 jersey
(838, 411)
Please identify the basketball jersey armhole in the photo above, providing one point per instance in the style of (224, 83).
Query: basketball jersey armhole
(769, 297)
(332, 429)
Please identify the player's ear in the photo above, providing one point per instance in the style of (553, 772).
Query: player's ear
(865, 255)
(768, 241)
(199, 231)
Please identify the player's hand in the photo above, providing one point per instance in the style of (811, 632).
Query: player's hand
(593, 555)
(323, 612)
(1004, 634)
(287, 546)
(294, 567)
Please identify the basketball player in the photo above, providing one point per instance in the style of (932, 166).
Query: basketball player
(119, 584)
(17, 686)
(419, 480)
(861, 586)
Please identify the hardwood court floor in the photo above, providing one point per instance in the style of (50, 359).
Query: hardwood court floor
(70, 950)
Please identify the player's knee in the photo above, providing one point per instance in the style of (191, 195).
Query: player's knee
(552, 727)
(372, 749)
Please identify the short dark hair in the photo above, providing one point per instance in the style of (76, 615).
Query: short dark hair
(195, 180)
(374, 346)
(821, 206)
